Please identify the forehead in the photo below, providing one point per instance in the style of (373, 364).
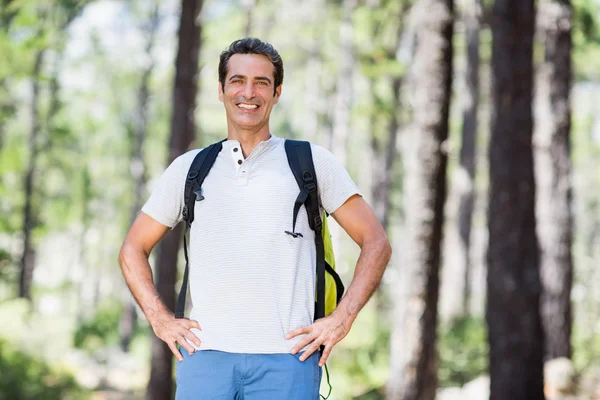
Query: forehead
(251, 65)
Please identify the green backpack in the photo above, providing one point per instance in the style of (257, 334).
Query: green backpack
(329, 288)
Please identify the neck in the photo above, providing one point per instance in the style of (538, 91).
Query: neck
(249, 139)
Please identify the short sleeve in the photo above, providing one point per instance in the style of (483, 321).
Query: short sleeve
(165, 204)
(335, 184)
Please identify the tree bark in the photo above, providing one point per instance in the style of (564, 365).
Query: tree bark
(553, 173)
(455, 290)
(414, 360)
(138, 170)
(513, 281)
(183, 131)
(27, 262)
(385, 154)
(469, 145)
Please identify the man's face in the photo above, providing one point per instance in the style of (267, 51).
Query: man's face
(249, 93)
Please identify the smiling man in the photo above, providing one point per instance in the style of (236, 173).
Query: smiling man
(254, 331)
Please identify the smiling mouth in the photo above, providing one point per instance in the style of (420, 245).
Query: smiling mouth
(247, 106)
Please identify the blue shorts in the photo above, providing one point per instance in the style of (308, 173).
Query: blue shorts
(216, 375)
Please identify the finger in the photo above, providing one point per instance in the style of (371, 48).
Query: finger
(193, 324)
(302, 343)
(298, 331)
(183, 343)
(176, 352)
(312, 348)
(325, 356)
(191, 337)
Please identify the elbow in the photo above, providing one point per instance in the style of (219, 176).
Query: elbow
(381, 246)
(127, 252)
(123, 255)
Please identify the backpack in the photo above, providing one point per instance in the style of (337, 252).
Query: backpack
(329, 288)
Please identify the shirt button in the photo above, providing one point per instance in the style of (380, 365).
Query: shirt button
(240, 162)
(235, 149)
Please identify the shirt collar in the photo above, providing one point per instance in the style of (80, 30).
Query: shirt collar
(229, 145)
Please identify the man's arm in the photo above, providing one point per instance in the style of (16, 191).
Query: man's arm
(359, 221)
(144, 234)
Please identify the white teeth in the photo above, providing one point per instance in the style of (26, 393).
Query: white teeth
(248, 106)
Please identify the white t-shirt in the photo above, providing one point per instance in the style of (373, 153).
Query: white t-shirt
(250, 282)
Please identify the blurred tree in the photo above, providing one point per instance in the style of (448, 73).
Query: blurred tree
(413, 347)
(30, 218)
(314, 67)
(343, 97)
(137, 167)
(249, 6)
(384, 64)
(553, 177)
(466, 173)
(512, 311)
(183, 131)
(49, 36)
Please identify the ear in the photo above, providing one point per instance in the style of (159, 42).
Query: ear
(277, 94)
(220, 92)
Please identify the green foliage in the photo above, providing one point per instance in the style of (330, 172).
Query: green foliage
(463, 350)
(7, 272)
(586, 39)
(359, 365)
(586, 348)
(101, 330)
(25, 378)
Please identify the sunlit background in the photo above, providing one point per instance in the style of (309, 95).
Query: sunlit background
(86, 98)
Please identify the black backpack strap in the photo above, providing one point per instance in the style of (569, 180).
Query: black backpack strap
(198, 171)
(299, 157)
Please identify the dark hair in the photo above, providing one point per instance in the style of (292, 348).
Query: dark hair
(251, 46)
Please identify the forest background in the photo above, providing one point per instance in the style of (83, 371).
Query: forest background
(435, 107)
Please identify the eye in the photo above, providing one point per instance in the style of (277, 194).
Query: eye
(263, 83)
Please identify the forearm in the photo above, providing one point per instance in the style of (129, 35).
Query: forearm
(371, 264)
(138, 275)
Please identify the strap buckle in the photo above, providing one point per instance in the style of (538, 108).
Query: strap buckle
(318, 223)
(309, 181)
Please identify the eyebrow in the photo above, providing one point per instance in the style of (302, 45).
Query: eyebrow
(258, 78)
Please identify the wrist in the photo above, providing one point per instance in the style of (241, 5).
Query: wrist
(158, 317)
(344, 316)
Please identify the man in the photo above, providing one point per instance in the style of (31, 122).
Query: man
(251, 333)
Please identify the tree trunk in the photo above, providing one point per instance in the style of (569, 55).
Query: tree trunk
(27, 263)
(390, 154)
(343, 98)
(414, 364)
(82, 309)
(138, 170)
(248, 7)
(183, 131)
(312, 88)
(512, 311)
(455, 290)
(553, 173)
(469, 145)
(383, 161)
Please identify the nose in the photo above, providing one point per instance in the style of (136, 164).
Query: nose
(249, 91)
